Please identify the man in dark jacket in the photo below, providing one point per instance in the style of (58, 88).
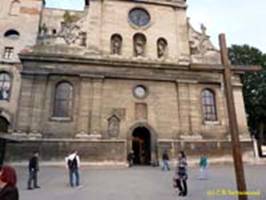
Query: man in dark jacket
(130, 158)
(33, 171)
(73, 165)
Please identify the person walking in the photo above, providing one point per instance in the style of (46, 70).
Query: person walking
(130, 158)
(181, 174)
(8, 181)
(203, 164)
(73, 165)
(165, 159)
(33, 171)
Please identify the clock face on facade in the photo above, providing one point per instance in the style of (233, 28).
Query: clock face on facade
(140, 92)
(139, 17)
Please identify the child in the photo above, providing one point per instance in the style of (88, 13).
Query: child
(203, 164)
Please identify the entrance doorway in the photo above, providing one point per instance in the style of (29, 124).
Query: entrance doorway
(141, 145)
(3, 125)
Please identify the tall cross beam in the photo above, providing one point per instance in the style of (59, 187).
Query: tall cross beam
(87, 3)
(233, 126)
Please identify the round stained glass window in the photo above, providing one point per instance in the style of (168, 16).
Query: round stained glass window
(139, 17)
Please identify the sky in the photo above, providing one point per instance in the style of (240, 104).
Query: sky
(243, 21)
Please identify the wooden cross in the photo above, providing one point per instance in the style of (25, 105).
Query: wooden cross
(233, 126)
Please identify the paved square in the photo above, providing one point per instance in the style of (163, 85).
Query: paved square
(137, 183)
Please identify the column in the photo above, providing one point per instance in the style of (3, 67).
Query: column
(241, 113)
(38, 101)
(97, 87)
(23, 117)
(183, 107)
(85, 94)
(195, 110)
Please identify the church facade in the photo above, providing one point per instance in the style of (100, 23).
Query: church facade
(116, 77)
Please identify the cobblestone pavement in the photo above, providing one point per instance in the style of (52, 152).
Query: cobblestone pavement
(137, 183)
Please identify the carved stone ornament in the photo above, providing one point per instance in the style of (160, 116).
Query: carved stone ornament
(70, 33)
(201, 48)
(113, 126)
(43, 30)
(161, 48)
(82, 39)
(116, 44)
(139, 45)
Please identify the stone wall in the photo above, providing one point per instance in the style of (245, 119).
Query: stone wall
(94, 151)
(10, 106)
(115, 150)
(103, 19)
(103, 84)
(23, 17)
(114, 19)
(211, 148)
(25, 20)
(172, 107)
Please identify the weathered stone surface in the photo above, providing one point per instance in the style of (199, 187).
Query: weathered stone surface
(14, 15)
(77, 47)
(98, 151)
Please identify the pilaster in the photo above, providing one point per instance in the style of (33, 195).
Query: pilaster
(85, 94)
(183, 107)
(96, 109)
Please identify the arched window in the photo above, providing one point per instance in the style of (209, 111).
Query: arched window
(12, 34)
(63, 100)
(139, 44)
(5, 86)
(161, 48)
(14, 7)
(116, 44)
(209, 105)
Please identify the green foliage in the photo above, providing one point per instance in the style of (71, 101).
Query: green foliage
(68, 18)
(254, 88)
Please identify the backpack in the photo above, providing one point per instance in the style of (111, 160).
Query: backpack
(72, 164)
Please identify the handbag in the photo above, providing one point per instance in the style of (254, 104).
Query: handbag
(176, 182)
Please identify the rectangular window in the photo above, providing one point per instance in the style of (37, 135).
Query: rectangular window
(8, 52)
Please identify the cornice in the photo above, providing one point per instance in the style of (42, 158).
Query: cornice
(136, 64)
(173, 3)
(102, 61)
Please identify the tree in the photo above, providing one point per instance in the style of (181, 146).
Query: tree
(254, 85)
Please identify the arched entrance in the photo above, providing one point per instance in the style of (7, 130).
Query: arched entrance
(141, 146)
(3, 125)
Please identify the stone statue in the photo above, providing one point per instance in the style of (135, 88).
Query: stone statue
(83, 39)
(199, 42)
(201, 48)
(139, 45)
(43, 30)
(161, 48)
(203, 29)
(116, 44)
